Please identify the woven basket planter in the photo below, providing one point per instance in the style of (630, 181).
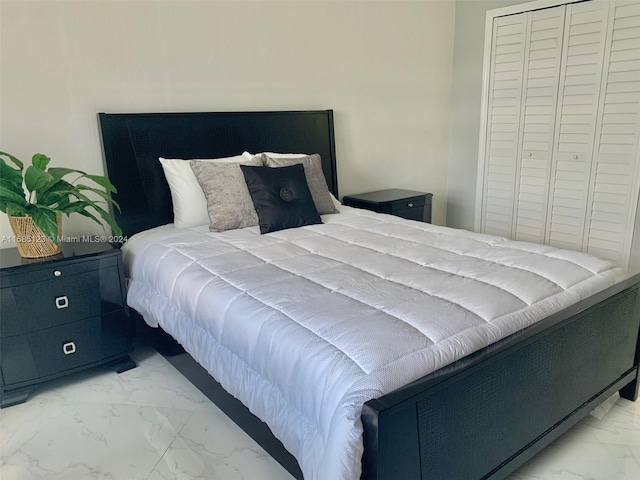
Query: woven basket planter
(31, 242)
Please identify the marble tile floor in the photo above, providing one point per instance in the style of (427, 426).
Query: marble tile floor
(150, 423)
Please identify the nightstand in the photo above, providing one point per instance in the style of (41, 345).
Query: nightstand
(402, 203)
(60, 315)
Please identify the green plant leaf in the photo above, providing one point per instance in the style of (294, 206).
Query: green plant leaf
(76, 207)
(107, 198)
(79, 195)
(109, 219)
(88, 214)
(61, 199)
(57, 201)
(45, 219)
(10, 174)
(59, 172)
(12, 185)
(17, 162)
(106, 216)
(40, 161)
(60, 202)
(9, 197)
(36, 179)
(13, 209)
(50, 194)
(13, 200)
(104, 182)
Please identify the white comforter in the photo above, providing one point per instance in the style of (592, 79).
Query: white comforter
(305, 325)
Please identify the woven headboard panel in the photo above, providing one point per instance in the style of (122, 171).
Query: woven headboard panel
(132, 144)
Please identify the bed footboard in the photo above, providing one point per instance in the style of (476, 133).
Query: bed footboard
(487, 414)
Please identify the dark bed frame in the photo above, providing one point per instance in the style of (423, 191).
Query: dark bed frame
(478, 418)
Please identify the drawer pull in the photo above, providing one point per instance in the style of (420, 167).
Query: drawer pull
(409, 205)
(69, 348)
(62, 302)
(57, 273)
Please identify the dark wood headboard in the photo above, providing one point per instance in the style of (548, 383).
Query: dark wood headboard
(133, 142)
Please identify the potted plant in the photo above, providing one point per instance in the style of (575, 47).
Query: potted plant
(35, 214)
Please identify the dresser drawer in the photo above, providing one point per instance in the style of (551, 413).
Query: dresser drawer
(407, 204)
(412, 208)
(58, 349)
(68, 298)
(56, 270)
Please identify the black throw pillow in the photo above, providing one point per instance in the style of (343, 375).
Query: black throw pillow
(281, 197)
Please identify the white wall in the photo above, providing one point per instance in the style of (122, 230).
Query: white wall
(384, 67)
(465, 108)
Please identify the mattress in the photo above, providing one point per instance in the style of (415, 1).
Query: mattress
(306, 325)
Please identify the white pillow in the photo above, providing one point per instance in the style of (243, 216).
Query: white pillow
(281, 155)
(335, 201)
(189, 202)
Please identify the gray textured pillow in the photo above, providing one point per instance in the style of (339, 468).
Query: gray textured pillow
(315, 179)
(228, 201)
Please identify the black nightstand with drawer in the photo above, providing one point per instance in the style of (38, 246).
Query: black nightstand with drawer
(59, 315)
(402, 203)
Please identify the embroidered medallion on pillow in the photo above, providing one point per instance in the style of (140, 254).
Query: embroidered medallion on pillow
(228, 201)
(281, 197)
(315, 178)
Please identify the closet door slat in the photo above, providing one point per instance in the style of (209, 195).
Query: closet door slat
(503, 126)
(576, 117)
(615, 176)
(538, 116)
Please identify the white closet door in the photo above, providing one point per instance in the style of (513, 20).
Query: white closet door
(538, 116)
(583, 52)
(615, 178)
(503, 126)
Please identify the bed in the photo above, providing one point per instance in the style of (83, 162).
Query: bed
(480, 416)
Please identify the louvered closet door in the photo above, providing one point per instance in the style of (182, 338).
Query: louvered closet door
(503, 125)
(580, 76)
(613, 195)
(538, 116)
